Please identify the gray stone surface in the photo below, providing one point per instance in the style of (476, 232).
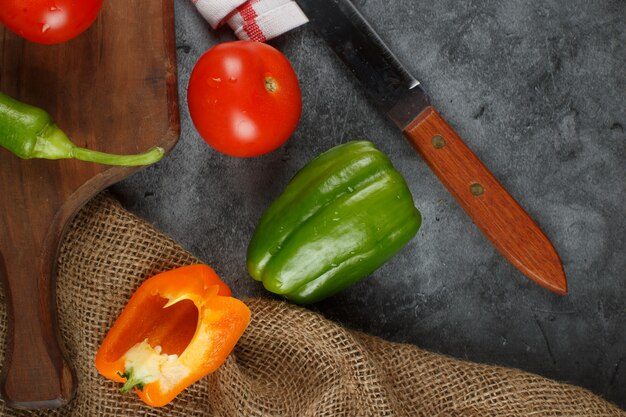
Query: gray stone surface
(537, 89)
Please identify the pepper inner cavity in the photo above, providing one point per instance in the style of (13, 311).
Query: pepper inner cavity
(171, 328)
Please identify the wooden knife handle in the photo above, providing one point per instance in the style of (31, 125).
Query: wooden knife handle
(35, 372)
(491, 207)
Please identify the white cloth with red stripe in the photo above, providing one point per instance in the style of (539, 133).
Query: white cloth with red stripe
(258, 20)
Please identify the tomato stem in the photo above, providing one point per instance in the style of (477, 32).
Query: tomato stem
(270, 84)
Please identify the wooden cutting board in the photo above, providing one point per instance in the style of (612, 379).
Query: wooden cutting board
(113, 89)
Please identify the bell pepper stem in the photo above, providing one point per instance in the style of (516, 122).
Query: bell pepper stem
(53, 143)
(131, 382)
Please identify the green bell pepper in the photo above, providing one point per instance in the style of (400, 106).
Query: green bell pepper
(339, 219)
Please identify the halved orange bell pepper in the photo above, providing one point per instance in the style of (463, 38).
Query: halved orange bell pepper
(177, 327)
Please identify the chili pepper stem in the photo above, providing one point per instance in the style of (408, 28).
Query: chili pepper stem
(147, 158)
(53, 143)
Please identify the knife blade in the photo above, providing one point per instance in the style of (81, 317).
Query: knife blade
(401, 97)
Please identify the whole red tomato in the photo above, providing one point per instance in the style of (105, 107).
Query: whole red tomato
(49, 21)
(244, 98)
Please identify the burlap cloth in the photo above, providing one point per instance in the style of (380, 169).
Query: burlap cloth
(290, 361)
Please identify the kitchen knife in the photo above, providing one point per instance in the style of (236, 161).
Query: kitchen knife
(400, 96)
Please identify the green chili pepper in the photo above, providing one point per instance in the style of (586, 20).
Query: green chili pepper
(29, 132)
(339, 219)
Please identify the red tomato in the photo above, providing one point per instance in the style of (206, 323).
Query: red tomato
(49, 21)
(244, 98)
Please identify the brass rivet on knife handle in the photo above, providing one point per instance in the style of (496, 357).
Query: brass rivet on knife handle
(438, 142)
(496, 213)
(477, 189)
